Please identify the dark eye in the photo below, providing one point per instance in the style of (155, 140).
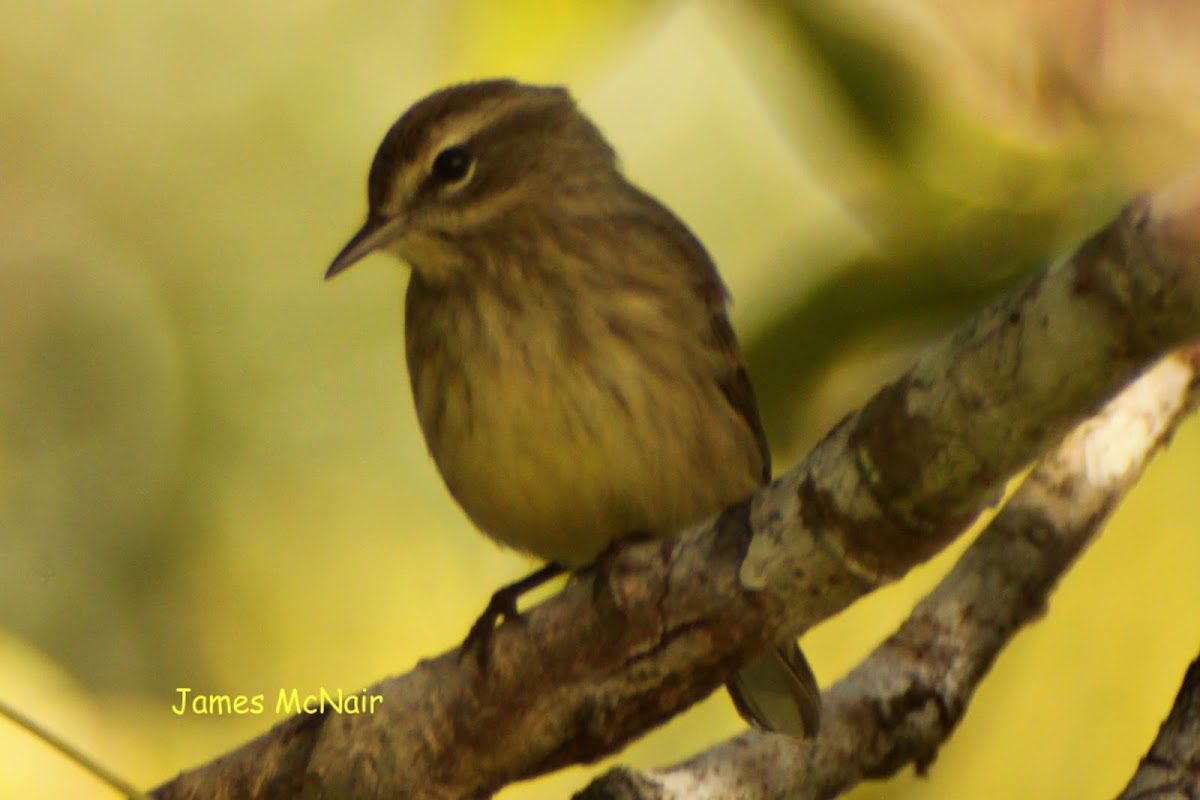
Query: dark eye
(452, 164)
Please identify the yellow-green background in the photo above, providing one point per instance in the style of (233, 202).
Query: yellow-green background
(210, 474)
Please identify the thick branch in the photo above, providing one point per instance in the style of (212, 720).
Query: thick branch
(594, 667)
(905, 699)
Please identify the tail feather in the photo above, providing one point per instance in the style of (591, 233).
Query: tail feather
(777, 691)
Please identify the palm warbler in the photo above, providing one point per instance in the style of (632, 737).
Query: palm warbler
(574, 371)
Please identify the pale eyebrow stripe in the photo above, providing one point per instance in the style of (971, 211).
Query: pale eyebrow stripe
(462, 128)
(457, 128)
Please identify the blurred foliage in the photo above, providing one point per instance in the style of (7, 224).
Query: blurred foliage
(877, 84)
(210, 474)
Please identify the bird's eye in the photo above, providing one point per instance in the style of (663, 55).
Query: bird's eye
(453, 164)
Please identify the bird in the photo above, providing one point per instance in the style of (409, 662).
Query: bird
(573, 367)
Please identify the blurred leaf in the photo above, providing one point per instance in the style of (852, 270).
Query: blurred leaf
(527, 36)
(883, 91)
(947, 273)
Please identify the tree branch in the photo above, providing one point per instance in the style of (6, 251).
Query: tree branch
(663, 623)
(905, 699)
(1171, 770)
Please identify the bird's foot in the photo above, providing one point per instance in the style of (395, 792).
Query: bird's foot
(502, 607)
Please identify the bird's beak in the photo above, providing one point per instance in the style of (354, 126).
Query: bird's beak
(376, 232)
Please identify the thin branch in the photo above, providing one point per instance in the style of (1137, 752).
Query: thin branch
(71, 752)
(665, 622)
(1171, 770)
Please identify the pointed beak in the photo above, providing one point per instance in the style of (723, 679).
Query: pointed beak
(375, 233)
